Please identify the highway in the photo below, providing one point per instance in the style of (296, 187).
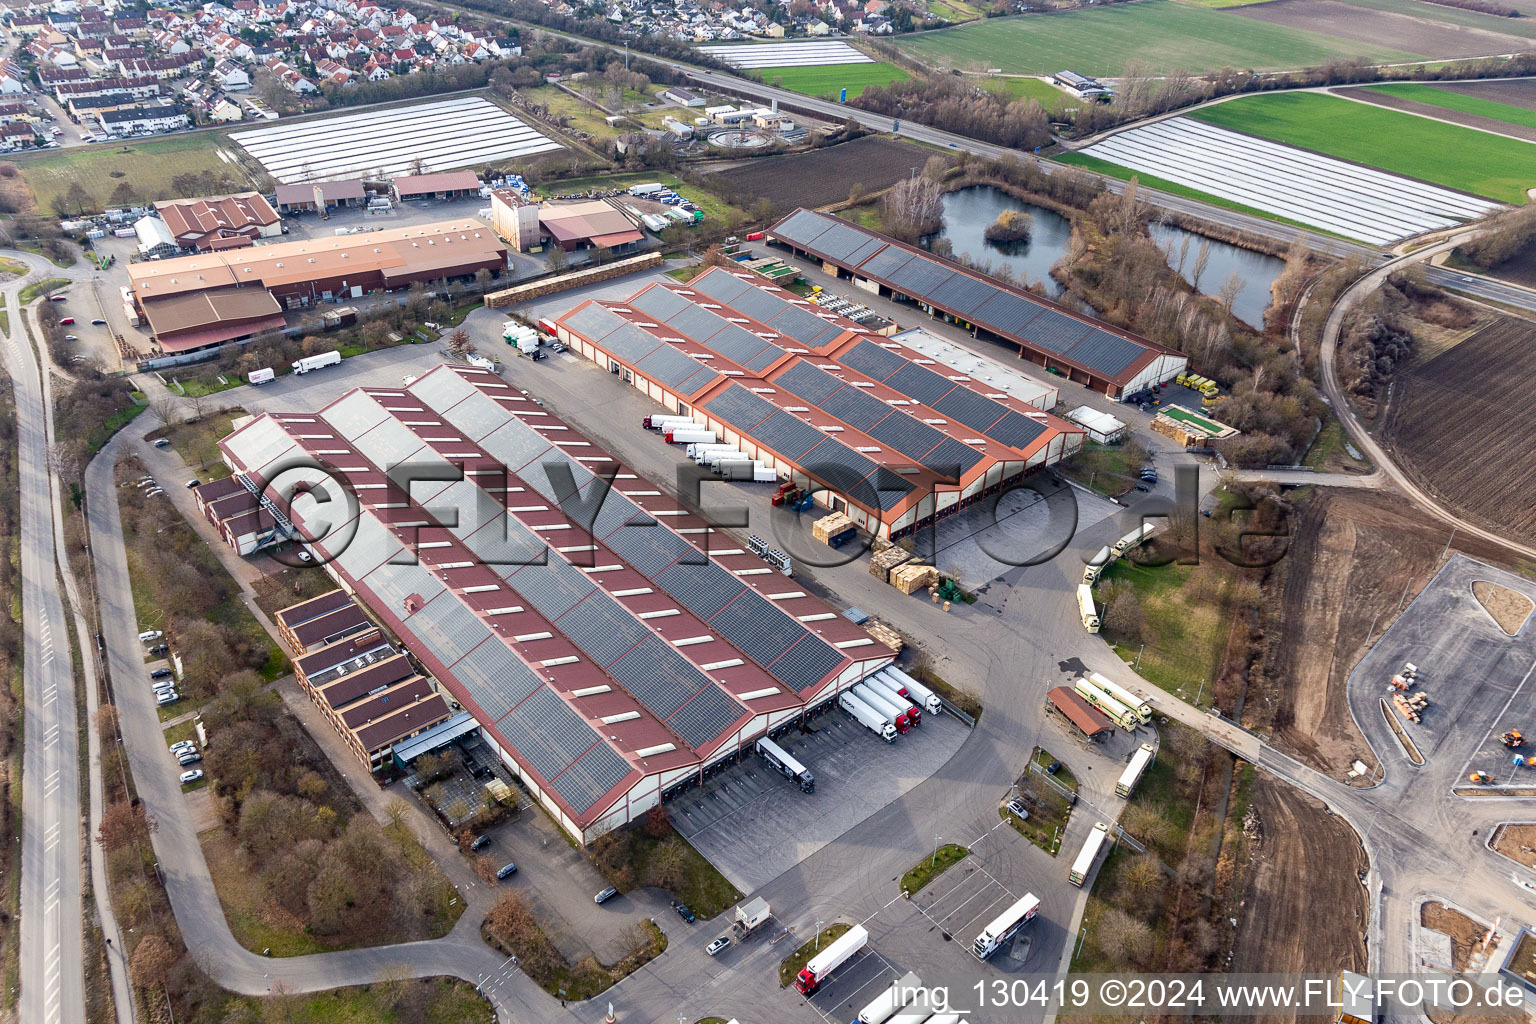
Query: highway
(52, 970)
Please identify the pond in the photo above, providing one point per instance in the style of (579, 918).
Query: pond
(1256, 269)
(968, 212)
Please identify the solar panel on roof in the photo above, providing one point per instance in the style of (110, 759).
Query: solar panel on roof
(806, 382)
(806, 663)
(739, 407)
(736, 343)
(1107, 353)
(757, 627)
(922, 276)
(872, 361)
(547, 733)
(1055, 332)
(697, 323)
(614, 511)
(477, 415)
(962, 294)
(650, 549)
(702, 378)
(668, 367)
(975, 411)
(908, 435)
(839, 240)
(920, 383)
(1006, 313)
(764, 359)
(720, 285)
(591, 776)
(602, 628)
(350, 416)
(658, 676)
(886, 262)
(515, 445)
(366, 548)
(951, 453)
(801, 227)
(706, 716)
(843, 470)
(788, 436)
(442, 389)
(551, 589)
(1017, 430)
(659, 302)
(801, 324)
(855, 408)
(449, 629)
(891, 489)
(701, 588)
(631, 344)
(594, 322)
(390, 443)
(396, 585)
(864, 251)
(495, 678)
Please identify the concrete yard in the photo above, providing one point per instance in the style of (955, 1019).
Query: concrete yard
(754, 824)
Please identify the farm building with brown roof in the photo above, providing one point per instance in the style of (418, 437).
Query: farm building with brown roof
(445, 185)
(198, 223)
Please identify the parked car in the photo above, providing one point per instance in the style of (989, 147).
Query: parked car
(150, 634)
(160, 673)
(684, 911)
(1016, 807)
(70, 337)
(606, 895)
(191, 484)
(1143, 487)
(480, 843)
(182, 746)
(167, 698)
(58, 298)
(162, 442)
(99, 322)
(157, 649)
(66, 320)
(187, 778)
(190, 757)
(718, 945)
(506, 871)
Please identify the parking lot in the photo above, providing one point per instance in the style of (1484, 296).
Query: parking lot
(754, 824)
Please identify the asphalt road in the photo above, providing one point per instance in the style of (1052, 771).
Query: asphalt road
(52, 969)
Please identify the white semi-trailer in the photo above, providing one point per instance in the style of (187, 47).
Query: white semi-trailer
(1135, 537)
(1134, 771)
(1097, 564)
(882, 703)
(1137, 704)
(262, 375)
(1005, 926)
(1086, 609)
(867, 716)
(1110, 707)
(916, 690)
(688, 435)
(1088, 854)
(308, 363)
(831, 957)
(885, 1005)
(890, 688)
(786, 765)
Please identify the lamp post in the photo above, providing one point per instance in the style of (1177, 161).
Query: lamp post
(936, 839)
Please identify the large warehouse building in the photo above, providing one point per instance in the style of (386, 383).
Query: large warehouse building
(1078, 347)
(192, 302)
(893, 438)
(601, 651)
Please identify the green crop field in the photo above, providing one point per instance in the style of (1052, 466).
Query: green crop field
(828, 80)
(1046, 94)
(1477, 105)
(147, 166)
(1446, 154)
(1163, 35)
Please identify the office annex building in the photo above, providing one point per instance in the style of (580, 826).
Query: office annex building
(601, 651)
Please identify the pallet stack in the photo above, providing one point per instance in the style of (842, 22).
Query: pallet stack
(912, 577)
(882, 562)
(885, 634)
(831, 526)
(1411, 706)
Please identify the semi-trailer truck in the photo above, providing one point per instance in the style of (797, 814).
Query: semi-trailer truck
(1005, 926)
(867, 716)
(916, 690)
(830, 959)
(1106, 705)
(786, 765)
(1097, 564)
(885, 1005)
(1088, 854)
(1086, 609)
(1137, 704)
(1134, 771)
(1134, 538)
(661, 421)
(897, 716)
(916, 1012)
(688, 435)
(889, 687)
(308, 363)
(261, 376)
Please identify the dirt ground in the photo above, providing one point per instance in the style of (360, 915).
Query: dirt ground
(1491, 124)
(825, 176)
(1356, 556)
(1464, 932)
(1518, 843)
(1432, 38)
(1463, 427)
(1518, 92)
(1508, 608)
(1316, 927)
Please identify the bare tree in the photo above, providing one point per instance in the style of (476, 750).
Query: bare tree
(1231, 288)
(635, 939)
(558, 260)
(1202, 258)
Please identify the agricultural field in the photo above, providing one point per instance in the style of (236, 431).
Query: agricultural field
(1437, 102)
(1478, 455)
(824, 176)
(1516, 92)
(1162, 35)
(1457, 16)
(1343, 198)
(1037, 89)
(1426, 29)
(1433, 151)
(829, 80)
(749, 56)
(421, 138)
(147, 166)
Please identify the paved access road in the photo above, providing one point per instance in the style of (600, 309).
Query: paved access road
(52, 975)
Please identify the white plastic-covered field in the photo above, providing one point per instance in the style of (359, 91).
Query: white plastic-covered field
(443, 136)
(1334, 195)
(787, 55)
